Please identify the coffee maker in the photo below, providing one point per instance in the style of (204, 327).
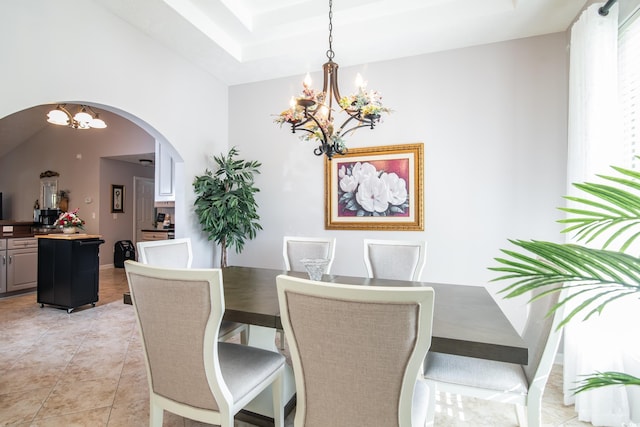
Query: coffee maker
(48, 217)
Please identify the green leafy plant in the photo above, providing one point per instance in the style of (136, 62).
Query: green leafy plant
(225, 203)
(596, 277)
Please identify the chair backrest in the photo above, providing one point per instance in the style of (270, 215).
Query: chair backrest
(542, 335)
(395, 259)
(174, 253)
(296, 248)
(356, 350)
(179, 313)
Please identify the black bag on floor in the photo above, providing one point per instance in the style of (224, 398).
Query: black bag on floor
(123, 251)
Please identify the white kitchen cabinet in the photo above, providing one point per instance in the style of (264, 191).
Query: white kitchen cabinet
(18, 264)
(165, 188)
(22, 264)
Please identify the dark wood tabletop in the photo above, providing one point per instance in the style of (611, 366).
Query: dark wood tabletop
(467, 321)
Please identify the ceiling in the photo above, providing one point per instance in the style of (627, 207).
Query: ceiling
(21, 126)
(241, 41)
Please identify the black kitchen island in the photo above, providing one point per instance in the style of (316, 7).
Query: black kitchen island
(68, 270)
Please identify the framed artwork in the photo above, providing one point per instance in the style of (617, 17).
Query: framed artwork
(375, 188)
(117, 198)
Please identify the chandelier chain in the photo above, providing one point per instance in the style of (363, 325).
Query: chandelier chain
(330, 53)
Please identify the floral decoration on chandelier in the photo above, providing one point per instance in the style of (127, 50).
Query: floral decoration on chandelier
(70, 219)
(312, 113)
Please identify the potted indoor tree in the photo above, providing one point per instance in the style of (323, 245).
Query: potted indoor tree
(225, 203)
(595, 276)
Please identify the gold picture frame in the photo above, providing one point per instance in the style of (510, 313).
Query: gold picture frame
(355, 186)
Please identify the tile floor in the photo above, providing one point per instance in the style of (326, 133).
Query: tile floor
(87, 369)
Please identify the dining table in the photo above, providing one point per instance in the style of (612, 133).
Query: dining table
(467, 320)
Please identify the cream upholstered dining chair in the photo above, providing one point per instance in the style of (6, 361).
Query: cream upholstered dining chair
(190, 372)
(177, 253)
(296, 248)
(357, 351)
(395, 259)
(522, 385)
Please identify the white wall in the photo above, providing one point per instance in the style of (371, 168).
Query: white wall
(74, 50)
(493, 122)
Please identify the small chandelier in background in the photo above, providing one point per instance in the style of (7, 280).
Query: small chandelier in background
(313, 111)
(85, 118)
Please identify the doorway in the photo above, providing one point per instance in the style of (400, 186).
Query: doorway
(143, 210)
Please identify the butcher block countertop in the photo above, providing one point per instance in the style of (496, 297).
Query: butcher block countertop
(62, 236)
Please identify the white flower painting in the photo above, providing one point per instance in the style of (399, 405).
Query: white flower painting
(367, 190)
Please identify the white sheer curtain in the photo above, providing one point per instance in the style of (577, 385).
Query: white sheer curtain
(605, 342)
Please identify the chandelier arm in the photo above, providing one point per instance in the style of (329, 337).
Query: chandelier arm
(91, 109)
(61, 108)
(320, 149)
(324, 142)
(348, 131)
(296, 125)
(324, 147)
(361, 124)
(334, 84)
(325, 139)
(330, 86)
(301, 129)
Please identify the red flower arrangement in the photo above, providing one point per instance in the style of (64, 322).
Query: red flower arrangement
(70, 219)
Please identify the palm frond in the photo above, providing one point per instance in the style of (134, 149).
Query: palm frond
(612, 274)
(614, 209)
(602, 379)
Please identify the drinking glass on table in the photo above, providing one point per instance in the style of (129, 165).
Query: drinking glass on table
(315, 267)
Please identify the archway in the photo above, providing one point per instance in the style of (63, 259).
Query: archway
(30, 145)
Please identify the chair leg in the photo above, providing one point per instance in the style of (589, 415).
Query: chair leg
(521, 413)
(226, 420)
(244, 335)
(534, 412)
(156, 414)
(533, 409)
(431, 404)
(280, 332)
(278, 401)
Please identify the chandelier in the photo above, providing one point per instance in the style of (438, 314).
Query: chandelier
(85, 118)
(313, 112)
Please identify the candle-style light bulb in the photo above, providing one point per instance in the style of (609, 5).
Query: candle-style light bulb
(292, 103)
(307, 81)
(360, 83)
